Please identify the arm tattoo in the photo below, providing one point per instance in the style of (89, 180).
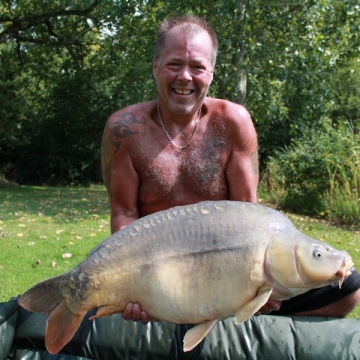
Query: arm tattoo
(121, 129)
(113, 138)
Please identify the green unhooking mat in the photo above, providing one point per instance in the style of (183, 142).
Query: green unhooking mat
(261, 337)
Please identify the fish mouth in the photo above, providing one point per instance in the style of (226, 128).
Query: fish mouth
(345, 270)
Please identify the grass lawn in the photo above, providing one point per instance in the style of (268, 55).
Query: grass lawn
(46, 231)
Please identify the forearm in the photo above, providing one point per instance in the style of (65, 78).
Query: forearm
(118, 222)
(340, 308)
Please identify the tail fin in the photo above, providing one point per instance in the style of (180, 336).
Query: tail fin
(61, 327)
(62, 323)
(43, 297)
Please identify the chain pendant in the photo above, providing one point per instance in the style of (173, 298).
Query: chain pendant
(168, 135)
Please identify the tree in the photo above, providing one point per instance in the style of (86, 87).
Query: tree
(294, 50)
(67, 66)
(347, 94)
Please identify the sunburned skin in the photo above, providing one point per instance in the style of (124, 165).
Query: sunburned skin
(168, 176)
(122, 129)
(194, 174)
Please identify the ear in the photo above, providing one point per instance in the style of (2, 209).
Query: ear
(212, 73)
(155, 65)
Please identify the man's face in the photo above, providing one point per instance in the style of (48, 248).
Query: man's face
(184, 71)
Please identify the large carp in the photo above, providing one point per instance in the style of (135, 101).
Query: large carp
(194, 264)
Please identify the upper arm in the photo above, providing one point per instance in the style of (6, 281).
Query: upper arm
(242, 170)
(119, 174)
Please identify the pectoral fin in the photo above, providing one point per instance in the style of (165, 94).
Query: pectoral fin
(253, 305)
(195, 335)
(105, 311)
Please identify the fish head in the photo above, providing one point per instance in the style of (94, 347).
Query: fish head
(296, 263)
(320, 264)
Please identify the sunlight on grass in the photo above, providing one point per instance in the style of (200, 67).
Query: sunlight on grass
(47, 231)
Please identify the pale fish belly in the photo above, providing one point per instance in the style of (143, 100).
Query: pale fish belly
(201, 287)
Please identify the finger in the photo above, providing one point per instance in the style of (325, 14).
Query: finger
(127, 313)
(265, 310)
(144, 317)
(136, 312)
(273, 305)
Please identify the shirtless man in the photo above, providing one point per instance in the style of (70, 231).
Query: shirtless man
(183, 147)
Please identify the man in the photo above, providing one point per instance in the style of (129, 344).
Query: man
(183, 147)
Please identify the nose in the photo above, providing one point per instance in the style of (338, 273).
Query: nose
(185, 74)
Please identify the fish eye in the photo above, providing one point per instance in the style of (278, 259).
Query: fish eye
(317, 253)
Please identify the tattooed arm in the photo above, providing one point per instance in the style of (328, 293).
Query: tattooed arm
(120, 177)
(122, 181)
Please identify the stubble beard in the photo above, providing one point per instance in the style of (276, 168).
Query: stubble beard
(186, 109)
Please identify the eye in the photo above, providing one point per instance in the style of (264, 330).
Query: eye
(317, 253)
(173, 65)
(198, 68)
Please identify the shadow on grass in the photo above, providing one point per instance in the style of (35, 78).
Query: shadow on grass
(71, 202)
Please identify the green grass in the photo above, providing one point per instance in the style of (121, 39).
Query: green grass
(38, 225)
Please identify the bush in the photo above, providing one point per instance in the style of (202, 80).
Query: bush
(5, 184)
(318, 175)
(302, 176)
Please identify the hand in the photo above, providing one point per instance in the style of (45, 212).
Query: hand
(133, 312)
(271, 305)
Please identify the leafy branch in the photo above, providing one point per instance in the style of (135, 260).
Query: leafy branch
(15, 27)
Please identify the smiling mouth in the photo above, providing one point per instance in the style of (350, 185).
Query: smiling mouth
(183, 92)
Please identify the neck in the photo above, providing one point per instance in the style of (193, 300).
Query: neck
(176, 145)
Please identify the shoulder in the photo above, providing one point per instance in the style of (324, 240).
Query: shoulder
(228, 108)
(123, 128)
(130, 121)
(132, 114)
(235, 117)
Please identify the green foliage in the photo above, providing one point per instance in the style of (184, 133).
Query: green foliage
(58, 91)
(62, 145)
(344, 208)
(344, 170)
(67, 66)
(295, 52)
(319, 175)
(347, 95)
(303, 176)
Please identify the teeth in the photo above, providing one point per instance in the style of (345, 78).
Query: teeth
(182, 92)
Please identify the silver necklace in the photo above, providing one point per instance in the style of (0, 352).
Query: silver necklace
(168, 135)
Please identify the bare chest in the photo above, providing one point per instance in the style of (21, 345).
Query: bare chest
(169, 176)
